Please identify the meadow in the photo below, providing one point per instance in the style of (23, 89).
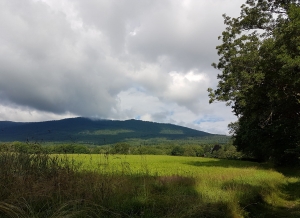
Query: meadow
(99, 185)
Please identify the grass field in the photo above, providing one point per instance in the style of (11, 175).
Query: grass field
(230, 182)
(144, 186)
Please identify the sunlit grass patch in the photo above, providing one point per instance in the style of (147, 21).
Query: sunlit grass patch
(142, 186)
(240, 184)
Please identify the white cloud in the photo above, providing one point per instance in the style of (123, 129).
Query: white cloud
(111, 59)
(25, 114)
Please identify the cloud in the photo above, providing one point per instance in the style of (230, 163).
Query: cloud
(111, 59)
(25, 114)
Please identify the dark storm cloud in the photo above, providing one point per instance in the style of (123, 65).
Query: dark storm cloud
(103, 58)
(186, 33)
(47, 65)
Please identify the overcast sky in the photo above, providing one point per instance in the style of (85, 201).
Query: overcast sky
(114, 59)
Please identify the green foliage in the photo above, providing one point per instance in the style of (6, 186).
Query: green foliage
(120, 148)
(177, 151)
(72, 185)
(22, 147)
(260, 64)
(155, 150)
(35, 148)
(177, 148)
(188, 150)
(68, 149)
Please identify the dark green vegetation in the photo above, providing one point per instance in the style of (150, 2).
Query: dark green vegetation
(101, 132)
(40, 185)
(175, 148)
(260, 64)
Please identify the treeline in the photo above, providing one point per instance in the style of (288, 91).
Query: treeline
(227, 151)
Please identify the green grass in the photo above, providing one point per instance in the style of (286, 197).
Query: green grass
(162, 164)
(245, 187)
(143, 186)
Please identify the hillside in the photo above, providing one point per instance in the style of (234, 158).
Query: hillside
(100, 132)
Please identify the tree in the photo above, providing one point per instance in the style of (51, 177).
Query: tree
(121, 148)
(260, 64)
(177, 151)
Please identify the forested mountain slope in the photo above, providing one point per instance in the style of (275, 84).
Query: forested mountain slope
(85, 130)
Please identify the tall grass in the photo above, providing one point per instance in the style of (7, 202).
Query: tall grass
(42, 185)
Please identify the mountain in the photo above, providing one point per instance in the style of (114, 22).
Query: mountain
(85, 130)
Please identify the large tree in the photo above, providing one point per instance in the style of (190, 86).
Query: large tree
(260, 79)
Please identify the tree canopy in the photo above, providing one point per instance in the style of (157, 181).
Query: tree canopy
(260, 79)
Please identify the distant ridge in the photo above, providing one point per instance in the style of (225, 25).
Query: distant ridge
(96, 131)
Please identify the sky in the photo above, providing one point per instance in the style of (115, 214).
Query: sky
(118, 59)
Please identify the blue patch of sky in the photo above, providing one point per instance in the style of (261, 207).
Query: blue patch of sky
(210, 119)
(138, 117)
(171, 113)
(140, 89)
